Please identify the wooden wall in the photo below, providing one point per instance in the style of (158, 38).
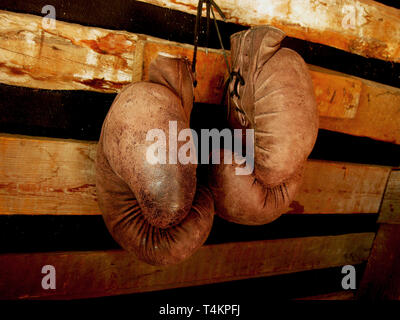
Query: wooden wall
(57, 85)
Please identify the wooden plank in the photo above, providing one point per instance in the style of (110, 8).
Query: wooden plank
(390, 209)
(363, 27)
(67, 57)
(74, 57)
(55, 176)
(341, 295)
(381, 279)
(377, 115)
(77, 57)
(335, 187)
(133, 16)
(337, 96)
(104, 273)
(47, 176)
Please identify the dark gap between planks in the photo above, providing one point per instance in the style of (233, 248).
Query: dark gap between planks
(22, 233)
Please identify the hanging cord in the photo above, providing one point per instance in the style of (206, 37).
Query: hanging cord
(210, 5)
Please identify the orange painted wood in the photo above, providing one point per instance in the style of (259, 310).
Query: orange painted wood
(337, 96)
(56, 176)
(364, 27)
(105, 273)
(211, 68)
(377, 115)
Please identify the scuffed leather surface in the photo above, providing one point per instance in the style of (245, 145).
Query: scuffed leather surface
(153, 210)
(278, 102)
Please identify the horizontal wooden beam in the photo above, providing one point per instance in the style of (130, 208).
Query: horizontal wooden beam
(364, 27)
(74, 57)
(77, 57)
(390, 208)
(47, 176)
(68, 56)
(337, 96)
(104, 273)
(55, 176)
(336, 187)
(377, 112)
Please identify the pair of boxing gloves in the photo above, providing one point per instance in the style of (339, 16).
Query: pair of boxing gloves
(157, 209)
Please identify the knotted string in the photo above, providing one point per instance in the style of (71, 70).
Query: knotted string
(210, 5)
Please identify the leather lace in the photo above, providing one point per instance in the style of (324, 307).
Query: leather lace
(210, 5)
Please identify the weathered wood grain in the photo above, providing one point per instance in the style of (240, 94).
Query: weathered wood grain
(69, 56)
(73, 57)
(381, 279)
(104, 273)
(390, 209)
(55, 176)
(47, 176)
(335, 187)
(337, 96)
(76, 57)
(364, 27)
(377, 114)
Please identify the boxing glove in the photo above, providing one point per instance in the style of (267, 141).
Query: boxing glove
(152, 207)
(270, 92)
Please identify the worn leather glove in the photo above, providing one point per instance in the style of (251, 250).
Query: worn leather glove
(271, 92)
(154, 210)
